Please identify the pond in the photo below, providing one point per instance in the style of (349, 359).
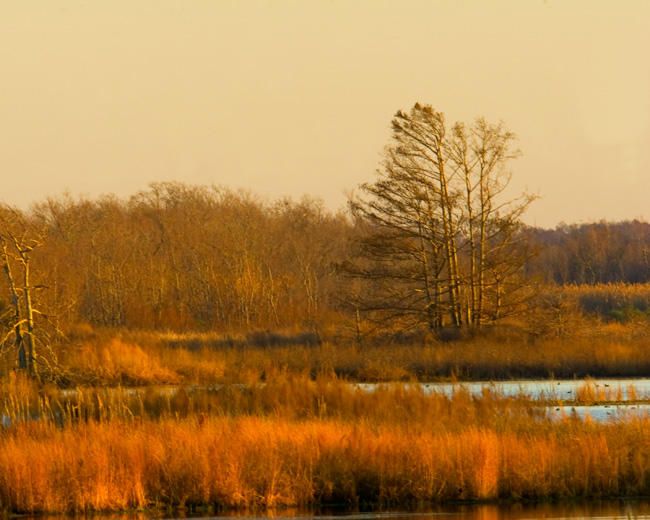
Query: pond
(612, 389)
(622, 397)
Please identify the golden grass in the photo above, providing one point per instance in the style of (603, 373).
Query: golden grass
(296, 441)
(138, 358)
(270, 462)
(114, 361)
(284, 395)
(590, 393)
(618, 301)
(125, 363)
(568, 332)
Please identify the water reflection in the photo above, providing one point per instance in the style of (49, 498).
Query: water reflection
(594, 509)
(588, 509)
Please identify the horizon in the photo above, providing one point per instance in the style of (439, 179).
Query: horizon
(267, 201)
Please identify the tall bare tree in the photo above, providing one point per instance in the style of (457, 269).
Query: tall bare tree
(444, 234)
(479, 154)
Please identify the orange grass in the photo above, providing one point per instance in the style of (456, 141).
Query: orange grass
(262, 462)
(296, 441)
(115, 361)
(136, 358)
(590, 393)
(285, 395)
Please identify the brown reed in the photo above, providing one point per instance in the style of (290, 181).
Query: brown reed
(136, 358)
(296, 441)
(270, 462)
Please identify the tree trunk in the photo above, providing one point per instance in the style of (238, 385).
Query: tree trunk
(15, 301)
(450, 245)
(29, 316)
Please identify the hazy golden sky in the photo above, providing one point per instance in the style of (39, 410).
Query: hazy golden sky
(294, 97)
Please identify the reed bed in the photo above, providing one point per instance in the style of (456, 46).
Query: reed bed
(618, 301)
(591, 393)
(136, 358)
(286, 395)
(256, 462)
(296, 441)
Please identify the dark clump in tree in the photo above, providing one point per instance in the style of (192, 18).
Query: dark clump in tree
(443, 245)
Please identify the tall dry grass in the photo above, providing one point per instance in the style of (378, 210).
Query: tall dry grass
(286, 395)
(568, 332)
(269, 462)
(617, 301)
(297, 441)
(599, 349)
(109, 359)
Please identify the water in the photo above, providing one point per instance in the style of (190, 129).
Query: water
(602, 412)
(593, 509)
(617, 391)
(539, 389)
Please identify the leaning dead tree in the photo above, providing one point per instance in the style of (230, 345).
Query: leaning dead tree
(17, 243)
(444, 245)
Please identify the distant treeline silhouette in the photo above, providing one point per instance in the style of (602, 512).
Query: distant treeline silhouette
(596, 253)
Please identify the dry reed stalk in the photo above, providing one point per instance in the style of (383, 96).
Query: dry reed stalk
(258, 462)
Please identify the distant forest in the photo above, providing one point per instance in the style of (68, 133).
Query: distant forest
(597, 253)
(182, 257)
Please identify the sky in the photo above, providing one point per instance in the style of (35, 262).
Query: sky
(286, 98)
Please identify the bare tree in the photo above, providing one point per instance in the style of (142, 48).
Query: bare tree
(479, 154)
(18, 240)
(442, 238)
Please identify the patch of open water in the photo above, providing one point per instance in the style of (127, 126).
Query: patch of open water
(592, 510)
(586, 509)
(540, 388)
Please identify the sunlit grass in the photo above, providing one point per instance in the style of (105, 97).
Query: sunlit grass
(269, 462)
(299, 441)
(270, 420)
(140, 358)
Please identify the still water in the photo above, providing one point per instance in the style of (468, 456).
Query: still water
(624, 395)
(602, 412)
(599, 510)
(593, 510)
(541, 388)
(565, 389)
(622, 398)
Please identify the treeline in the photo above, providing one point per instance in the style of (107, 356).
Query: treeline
(594, 253)
(181, 257)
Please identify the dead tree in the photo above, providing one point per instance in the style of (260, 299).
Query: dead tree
(444, 242)
(479, 154)
(17, 245)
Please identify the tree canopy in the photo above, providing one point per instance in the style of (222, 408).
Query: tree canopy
(444, 244)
